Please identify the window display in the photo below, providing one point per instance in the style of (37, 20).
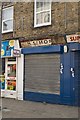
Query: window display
(11, 69)
(11, 84)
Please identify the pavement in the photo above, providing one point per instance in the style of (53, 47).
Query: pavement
(12, 108)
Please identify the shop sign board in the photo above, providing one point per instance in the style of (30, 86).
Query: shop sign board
(7, 48)
(16, 53)
(34, 43)
(73, 38)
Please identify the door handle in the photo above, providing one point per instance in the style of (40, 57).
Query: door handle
(72, 72)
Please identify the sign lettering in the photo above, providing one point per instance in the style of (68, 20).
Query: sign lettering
(36, 43)
(73, 38)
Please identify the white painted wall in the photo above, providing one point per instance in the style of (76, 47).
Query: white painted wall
(20, 76)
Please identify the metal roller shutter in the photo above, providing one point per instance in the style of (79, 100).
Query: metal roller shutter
(42, 73)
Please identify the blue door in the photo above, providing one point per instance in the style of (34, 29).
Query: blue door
(66, 85)
(70, 79)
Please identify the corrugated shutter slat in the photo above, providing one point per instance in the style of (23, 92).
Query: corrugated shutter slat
(42, 73)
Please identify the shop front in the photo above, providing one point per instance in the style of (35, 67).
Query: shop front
(51, 72)
(11, 54)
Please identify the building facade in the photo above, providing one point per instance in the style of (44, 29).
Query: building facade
(42, 42)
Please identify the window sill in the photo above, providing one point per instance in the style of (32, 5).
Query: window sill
(5, 32)
(42, 25)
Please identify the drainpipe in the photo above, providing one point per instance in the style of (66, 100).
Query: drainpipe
(65, 15)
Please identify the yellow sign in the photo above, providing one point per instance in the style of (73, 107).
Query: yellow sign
(2, 52)
(11, 43)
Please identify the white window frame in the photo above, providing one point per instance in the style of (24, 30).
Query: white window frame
(42, 24)
(11, 30)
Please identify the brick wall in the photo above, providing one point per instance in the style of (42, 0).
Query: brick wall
(64, 20)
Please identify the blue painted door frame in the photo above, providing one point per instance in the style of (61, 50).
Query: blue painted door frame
(70, 77)
(67, 80)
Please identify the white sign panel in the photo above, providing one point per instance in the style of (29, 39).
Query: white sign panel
(33, 43)
(16, 53)
(73, 38)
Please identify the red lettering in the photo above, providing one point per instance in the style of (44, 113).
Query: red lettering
(75, 38)
(72, 38)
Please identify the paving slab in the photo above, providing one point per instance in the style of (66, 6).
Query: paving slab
(12, 108)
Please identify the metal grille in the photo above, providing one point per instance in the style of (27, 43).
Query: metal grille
(42, 73)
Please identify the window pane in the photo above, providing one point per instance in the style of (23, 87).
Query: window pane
(43, 17)
(11, 69)
(11, 85)
(39, 6)
(7, 13)
(40, 18)
(8, 25)
(46, 5)
(46, 17)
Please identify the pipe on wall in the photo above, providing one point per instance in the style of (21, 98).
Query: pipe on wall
(65, 15)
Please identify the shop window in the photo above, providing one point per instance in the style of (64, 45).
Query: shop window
(7, 20)
(42, 13)
(11, 70)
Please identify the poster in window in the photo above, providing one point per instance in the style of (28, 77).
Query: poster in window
(11, 85)
(11, 70)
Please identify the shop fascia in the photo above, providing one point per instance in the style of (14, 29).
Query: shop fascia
(51, 40)
(33, 43)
